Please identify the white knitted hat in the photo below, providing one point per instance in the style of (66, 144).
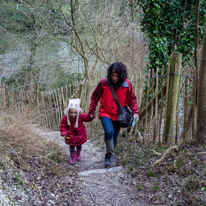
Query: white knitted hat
(73, 104)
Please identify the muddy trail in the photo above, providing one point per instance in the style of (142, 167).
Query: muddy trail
(97, 185)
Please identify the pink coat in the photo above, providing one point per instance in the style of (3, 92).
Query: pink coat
(77, 136)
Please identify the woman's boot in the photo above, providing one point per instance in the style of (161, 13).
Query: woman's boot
(78, 158)
(109, 156)
(73, 157)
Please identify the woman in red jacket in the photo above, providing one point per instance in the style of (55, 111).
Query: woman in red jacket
(117, 75)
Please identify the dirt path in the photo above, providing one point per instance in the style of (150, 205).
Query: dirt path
(98, 186)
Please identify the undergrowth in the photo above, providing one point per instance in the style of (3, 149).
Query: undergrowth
(32, 164)
(21, 147)
(180, 178)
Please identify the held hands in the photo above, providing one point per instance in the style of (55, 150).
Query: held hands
(91, 116)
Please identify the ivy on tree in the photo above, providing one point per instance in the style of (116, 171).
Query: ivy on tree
(170, 27)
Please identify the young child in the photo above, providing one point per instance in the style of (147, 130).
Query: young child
(73, 129)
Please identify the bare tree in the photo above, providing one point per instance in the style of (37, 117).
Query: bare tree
(28, 17)
(97, 32)
(100, 31)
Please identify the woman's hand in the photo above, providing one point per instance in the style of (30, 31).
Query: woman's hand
(136, 116)
(91, 116)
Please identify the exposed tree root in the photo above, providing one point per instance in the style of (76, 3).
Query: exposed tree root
(166, 152)
(157, 153)
(92, 197)
(38, 190)
(140, 136)
(175, 163)
(199, 153)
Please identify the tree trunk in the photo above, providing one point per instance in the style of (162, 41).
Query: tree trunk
(172, 95)
(32, 60)
(196, 34)
(86, 67)
(201, 101)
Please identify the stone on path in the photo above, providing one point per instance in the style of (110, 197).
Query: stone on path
(113, 169)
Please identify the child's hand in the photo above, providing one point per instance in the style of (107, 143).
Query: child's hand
(66, 139)
(91, 116)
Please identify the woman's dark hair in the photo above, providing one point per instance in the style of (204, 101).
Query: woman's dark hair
(118, 68)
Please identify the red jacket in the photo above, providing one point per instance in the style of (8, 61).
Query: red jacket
(108, 107)
(76, 136)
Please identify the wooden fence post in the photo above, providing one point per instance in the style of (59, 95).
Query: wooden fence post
(151, 114)
(7, 100)
(155, 130)
(172, 100)
(64, 101)
(145, 125)
(66, 96)
(37, 94)
(20, 101)
(166, 99)
(161, 108)
(58, 107)
(44, 109)
(185, 102)
(177, 114)
(140, 89)
(60, 103)
(53, 124)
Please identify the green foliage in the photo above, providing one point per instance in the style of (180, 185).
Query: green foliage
(203, 189)
(139, 186)
(170, 27)
(13, 17)
(150, 173)
(62, 78)
(155, 186)
(191, 184)
(180, 160)
(17, 178)
(3, 45)
(56, 157)
(18, 78)
(59, 78)
(160, 147)
(166, 179)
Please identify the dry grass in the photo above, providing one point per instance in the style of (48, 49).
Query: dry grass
(17, 141)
